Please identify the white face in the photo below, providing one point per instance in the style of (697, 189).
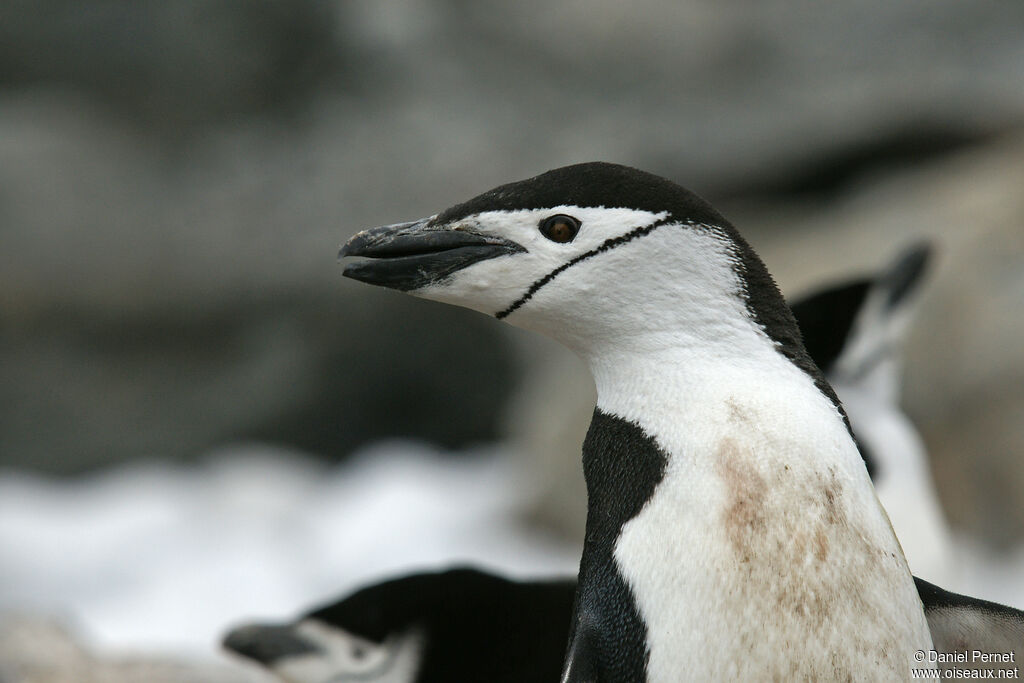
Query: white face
(344, 657)
(492, 286)
(613, 280)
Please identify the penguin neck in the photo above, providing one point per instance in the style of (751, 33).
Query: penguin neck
(691, 388)
(710, 410)
(713, 409)
(720, 479)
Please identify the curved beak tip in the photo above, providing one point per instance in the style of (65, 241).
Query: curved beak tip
(350, 247)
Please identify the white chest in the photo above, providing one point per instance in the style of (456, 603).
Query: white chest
(763, 553)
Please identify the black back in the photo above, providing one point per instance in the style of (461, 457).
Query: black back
(478, 627)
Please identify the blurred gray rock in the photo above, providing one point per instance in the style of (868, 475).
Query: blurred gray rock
(84, 387)
(172, 64)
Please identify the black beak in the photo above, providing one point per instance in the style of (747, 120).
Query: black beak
(408, 256)
(906, 273)
(267, 644)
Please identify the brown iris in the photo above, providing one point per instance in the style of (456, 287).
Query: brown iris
(560, 228)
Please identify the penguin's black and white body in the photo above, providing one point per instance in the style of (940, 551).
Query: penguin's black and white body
(732, 529)
(457, 625)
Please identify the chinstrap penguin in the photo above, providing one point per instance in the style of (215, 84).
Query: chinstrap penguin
(457, 625)
(732, 529)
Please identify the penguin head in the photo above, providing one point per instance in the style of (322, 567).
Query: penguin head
(589, 253)
(378, 633)
(312, 650)
(455, 625)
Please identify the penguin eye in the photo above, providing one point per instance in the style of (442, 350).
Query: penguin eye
(560, 228)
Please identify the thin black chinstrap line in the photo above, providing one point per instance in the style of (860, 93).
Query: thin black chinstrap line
(609, 243)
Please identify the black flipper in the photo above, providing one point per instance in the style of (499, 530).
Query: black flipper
(960, 623)
(581, 661)
(862, 317)
(826, 319)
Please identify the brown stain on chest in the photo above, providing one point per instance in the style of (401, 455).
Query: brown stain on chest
(778, 518)
(746, 511)
(785, 526)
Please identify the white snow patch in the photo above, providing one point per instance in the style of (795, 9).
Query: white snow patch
(160, 558)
